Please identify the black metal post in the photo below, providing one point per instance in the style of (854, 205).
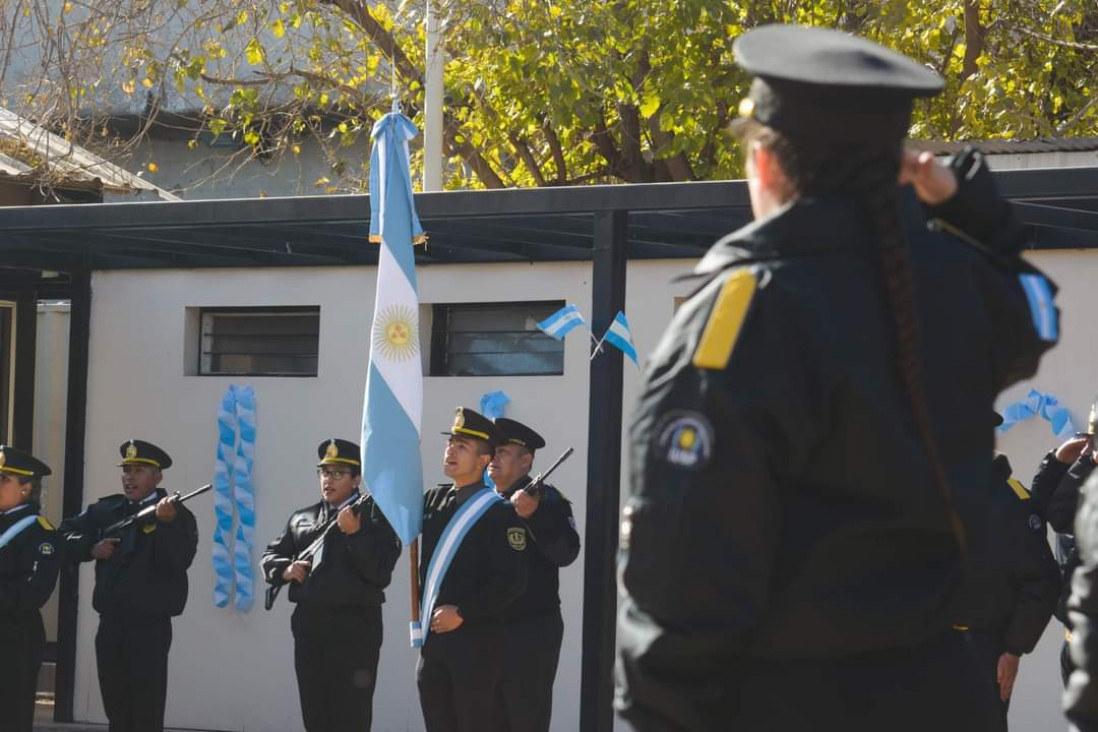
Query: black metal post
(73, 497)
(603, 478)
(22, 398)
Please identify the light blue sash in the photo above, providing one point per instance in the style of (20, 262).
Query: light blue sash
(16, 529)
(448, 544)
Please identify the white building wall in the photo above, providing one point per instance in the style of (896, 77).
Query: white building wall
(235, 672)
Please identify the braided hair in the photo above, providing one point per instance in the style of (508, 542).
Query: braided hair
(869, 174)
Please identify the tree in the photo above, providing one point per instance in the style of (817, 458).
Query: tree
(539, 92)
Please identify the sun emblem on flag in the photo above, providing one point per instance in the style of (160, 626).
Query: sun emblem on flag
(396, 333)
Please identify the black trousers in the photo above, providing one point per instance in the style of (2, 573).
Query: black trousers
(458, 676)
(336, 649)
(22, 642)
(132, 659)
(987, 648)
(930, 686)
(531, 652)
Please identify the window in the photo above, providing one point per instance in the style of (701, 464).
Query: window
(494, 339)
(259, 341)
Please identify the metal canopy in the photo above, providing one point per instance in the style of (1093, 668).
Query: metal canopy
(550, 224)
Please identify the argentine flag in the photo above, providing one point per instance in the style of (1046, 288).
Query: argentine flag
(618, 335)
(560, 323)
(391, 464)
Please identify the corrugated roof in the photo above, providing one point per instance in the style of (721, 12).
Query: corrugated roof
(1012, 147)
(64, 161)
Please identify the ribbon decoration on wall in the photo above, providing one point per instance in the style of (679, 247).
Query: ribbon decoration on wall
(234, 497)
(1043, 405)
(492, 405)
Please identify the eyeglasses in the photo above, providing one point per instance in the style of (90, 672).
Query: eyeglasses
(333, 474)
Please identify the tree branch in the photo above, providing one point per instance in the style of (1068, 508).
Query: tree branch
(1053, 41)
(527, 157)
(556, 151)
(975, 35)
(383, 39)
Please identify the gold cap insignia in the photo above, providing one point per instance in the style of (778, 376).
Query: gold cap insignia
(332, 452)
(131, 451)
(747, 107)
(459, 418)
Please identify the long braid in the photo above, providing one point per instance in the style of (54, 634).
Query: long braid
(869, 175)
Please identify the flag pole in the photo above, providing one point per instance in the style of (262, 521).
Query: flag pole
(413, 557)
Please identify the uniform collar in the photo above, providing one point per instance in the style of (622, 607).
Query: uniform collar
(463, 493)
(350, 499)
(18, 508)
(518, 485)
(154, 496)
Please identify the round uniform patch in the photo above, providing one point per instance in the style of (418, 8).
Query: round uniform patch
(45, 549)
(685, 440)
(1035, 522)
(516, 537)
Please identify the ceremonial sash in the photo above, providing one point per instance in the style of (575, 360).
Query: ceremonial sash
(448, 544)
(15, 529)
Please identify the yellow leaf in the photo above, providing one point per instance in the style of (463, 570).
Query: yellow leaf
(68, 7)
(153, 167)
(322, 180)
(129, 86)
(278, 28)
(147, 83)
(192, 144)
(296, 149)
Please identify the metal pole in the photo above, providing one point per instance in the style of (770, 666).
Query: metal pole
(603, 479)
(432, 104)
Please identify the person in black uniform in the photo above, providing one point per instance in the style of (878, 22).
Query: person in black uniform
(337, 622)
(1056, 489)
(30, 558)
(140, 585)
(790, 546)
(1011, 583)
(533, 627)
(1081, 694)
(461, 661)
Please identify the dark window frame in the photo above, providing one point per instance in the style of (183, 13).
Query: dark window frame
(440, 361)
(258, 311)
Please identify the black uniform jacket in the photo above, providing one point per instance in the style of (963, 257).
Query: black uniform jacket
(350, 570)
(1056, 489)
(147, 574)
(29, 563)
(553, 543)
(1081, 695)
(782, 504)
(1012, 582)
(488, 572)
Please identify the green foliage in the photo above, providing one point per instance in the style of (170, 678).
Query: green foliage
(553, 92)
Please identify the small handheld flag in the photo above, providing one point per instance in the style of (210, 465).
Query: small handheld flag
(619, 336)
(561, 323)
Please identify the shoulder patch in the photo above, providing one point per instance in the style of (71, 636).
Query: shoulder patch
(45, 524)
(1036, 523)
(516, 537)
(46, 549)
(148, 528)
(725, 321)
(684, 439)
(1019, 489)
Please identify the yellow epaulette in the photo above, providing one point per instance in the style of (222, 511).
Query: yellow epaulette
(1019, 489)
(45, 524)
(725, 321)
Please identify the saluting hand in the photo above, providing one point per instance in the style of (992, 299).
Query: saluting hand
(165, 509)
(524, 504)
(104, 549)
(934, 183)
(297, 572)
(446, 618)
(1070, 451)
(348, 522)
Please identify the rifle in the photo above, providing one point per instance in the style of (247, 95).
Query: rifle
(538, 483)
(148, 511)
(307, 554)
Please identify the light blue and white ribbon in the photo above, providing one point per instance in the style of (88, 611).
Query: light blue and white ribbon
(16, 529)
(448, 544)
(619, 336)
(561, 323)
(234, 497)
(1041, 306)
(1038, 404)
(492, 405)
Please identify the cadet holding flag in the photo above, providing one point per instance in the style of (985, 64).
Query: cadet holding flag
(30, 558)
(473, 567)
(533, 627)
(790, 545)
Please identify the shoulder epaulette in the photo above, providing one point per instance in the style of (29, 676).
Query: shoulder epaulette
(45, 523)
(1019, 489)
(722, 329)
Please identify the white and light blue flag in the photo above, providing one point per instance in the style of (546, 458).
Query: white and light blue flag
(391, 464)
(560, 323)
(619, 336)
